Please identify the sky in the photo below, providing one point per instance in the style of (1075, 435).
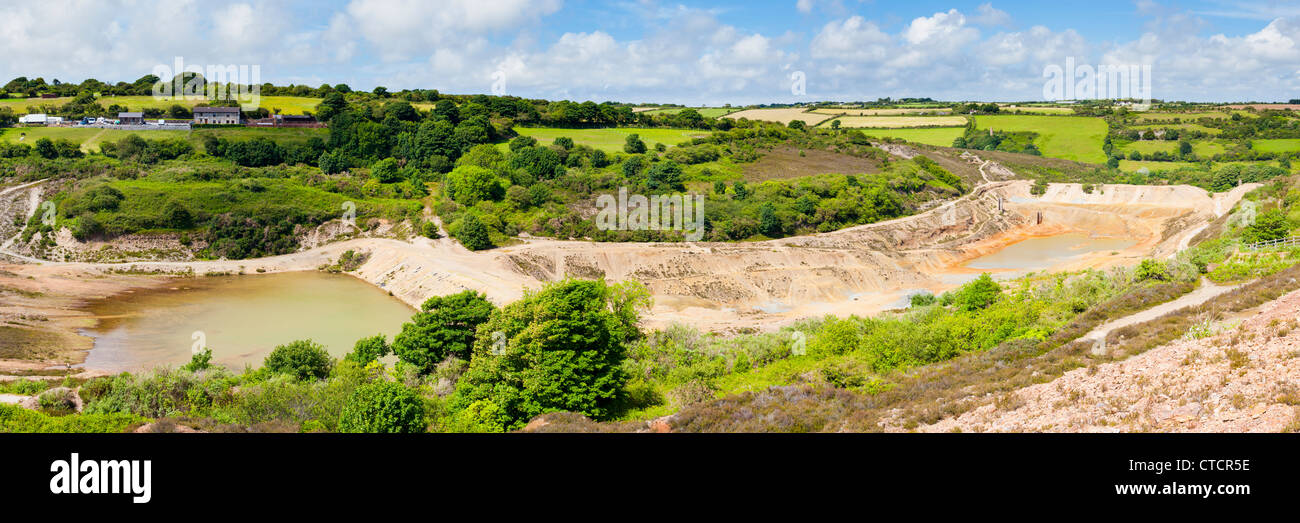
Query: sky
(688, 52)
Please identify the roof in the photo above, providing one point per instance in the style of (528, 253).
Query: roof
(130, 115)
(216, 110)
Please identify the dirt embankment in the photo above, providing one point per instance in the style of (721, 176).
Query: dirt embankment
(1240, 378)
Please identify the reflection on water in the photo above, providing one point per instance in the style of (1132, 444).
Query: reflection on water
(1041, 253)
(241, 317)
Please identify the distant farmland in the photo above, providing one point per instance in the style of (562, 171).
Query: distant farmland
(941, 136)
(707, 112)
(879, 112)
(784, 116)
(1077, 138)
(611, 139)
(894, 122)
(1276, 145)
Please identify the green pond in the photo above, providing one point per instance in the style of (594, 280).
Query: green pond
(241, 318)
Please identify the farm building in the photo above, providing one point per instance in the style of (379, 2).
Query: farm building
(131, 118)
(216, 115)
(286, 120)
(33, 119)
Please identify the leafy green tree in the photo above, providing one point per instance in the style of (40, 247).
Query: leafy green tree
(977, 294)
(521, 141)
(1269, 225)
(634, 145)
(445, 326)
(564, 352)
(470, 184)
(768, 222)
(304, 359)
(473, 234)
(369, 349)
(385, 407)
(386, 171)
(45, 148)
(665, 175)
(176, 215)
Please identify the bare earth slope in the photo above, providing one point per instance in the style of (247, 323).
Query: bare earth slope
(1244, 379)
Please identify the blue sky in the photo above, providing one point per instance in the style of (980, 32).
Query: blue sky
(694, 52)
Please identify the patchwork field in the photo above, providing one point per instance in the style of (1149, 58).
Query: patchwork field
(1201, 148)
(941, 136)
(90, 137)
(878, 112)
(707, 112)
(784, 116)
(1187, 116)
(1276, 145)
(894, 122)
(1038, 110)
(1077, 138)
(611, 139)
(286, 104)
(1179, 126)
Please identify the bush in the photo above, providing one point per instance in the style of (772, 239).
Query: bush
(473, 234)
(977, 294)
(369, 349)
(1151, 270)
(445, 326)
(564, 352)
(386, 407)
(303, 359)
(921, 299)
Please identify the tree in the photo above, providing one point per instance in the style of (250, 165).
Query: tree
(369, 349)
(473, 234)
(978, 293)
(634, 145)
(798, 125)
(665, 175)
(386, 171)
(470, 184)
(1269, 225)
(45, 148)
(303, 359)
(564, 351)
(1184, 148)
(768, 223)
(385, 407)
(445, 327)
(176, 216)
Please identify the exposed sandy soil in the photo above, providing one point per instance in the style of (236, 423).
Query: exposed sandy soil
(1244, 379)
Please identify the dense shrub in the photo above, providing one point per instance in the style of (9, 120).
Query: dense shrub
(445, 326)
(303, 359)
(563, 352)
(383, 408)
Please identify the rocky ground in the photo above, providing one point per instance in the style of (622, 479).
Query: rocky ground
(1238, 377)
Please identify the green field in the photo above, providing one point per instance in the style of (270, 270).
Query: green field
(1202, 148)
(1180, 126)
(707, 112)
(1133, 166)
(611, 139)
(1189, 116)
(90, 137)
(1077, 138)
(1276, 145)
(286, 104)
(941, 136)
